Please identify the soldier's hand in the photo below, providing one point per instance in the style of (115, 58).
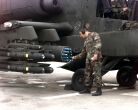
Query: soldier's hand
(95, 57)
(125, 9)
(74, 57)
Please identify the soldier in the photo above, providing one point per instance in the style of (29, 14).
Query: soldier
(116, 8)
(125, 12)
(92, 52)
(129, 25)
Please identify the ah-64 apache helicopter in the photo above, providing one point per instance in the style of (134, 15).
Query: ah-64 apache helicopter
(49, 29)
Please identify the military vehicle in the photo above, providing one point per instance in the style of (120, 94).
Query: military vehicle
(32, 31)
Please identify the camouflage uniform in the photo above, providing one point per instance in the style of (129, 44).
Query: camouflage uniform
(129, 25)
(92, 45)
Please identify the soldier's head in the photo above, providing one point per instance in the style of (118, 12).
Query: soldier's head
(85, 30)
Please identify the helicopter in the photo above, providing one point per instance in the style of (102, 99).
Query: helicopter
(47, 30)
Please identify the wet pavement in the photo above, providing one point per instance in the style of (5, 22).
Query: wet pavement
(46, 92)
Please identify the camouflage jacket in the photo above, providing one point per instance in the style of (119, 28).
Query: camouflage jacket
(129, 25)
(91, 46)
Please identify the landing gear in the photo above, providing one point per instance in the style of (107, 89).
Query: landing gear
(126, 77)
(78, 80)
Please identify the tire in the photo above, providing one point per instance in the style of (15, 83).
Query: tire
(126, 77)
(78, 80)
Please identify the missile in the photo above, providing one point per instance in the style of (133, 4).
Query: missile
(25, 55)
(28, 56)
(23, 45)
(26, 68)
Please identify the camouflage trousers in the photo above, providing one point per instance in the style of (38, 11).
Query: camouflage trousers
(93, 72)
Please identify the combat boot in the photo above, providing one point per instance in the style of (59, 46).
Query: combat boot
(98, 92)
(86, 90)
